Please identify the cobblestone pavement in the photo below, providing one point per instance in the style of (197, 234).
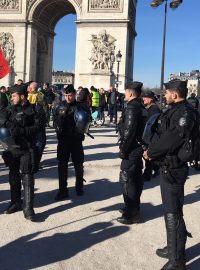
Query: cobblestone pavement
(82, 232)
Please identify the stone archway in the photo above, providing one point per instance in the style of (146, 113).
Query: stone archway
(103, 28)
(44, 15)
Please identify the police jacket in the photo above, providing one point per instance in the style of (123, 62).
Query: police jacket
(131, 127)
(24, 122)
(174, 126)
(64, 122)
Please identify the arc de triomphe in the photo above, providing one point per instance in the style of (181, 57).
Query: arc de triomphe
(103, 28)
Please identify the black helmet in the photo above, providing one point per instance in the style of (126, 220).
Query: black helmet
(6, 139)
(82, 121)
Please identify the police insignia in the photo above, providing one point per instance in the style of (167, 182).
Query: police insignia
(182, 121)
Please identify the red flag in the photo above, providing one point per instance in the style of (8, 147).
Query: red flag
(4, 67)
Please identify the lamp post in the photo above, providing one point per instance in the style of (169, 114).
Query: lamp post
(118, 59)
(174, 4)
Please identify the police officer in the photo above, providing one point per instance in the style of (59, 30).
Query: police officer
(23, 122)
(130, 130)
(175, 126)
(69, 143)
(152, 108)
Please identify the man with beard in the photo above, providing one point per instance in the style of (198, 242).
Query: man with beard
(170, 145)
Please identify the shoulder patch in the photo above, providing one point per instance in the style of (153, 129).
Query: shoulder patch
(182, 121)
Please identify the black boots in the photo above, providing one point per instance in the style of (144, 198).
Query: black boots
(28, 183)
(176, 239)
(13, 207)
(62, 175)
(162, 252)
(128, 220)
(15, 190)
(79, 178)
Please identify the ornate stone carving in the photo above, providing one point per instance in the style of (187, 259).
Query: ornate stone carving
(9, 5)
(103, 45)
(7, 45)
(29, 3)
(104, 4)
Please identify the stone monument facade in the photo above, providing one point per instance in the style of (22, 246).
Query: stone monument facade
(103, 28)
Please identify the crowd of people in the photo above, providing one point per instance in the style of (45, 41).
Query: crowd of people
(164, 138)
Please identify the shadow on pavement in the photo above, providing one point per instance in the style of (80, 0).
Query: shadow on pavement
(193, 253)
(33, 251)
(99, 190)
(102, 145)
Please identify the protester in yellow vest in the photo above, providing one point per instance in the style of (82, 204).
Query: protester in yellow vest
(95, 98)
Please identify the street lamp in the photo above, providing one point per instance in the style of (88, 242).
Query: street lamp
(118, 59)
(174, 4)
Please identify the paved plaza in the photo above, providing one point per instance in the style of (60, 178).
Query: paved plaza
(82, 232)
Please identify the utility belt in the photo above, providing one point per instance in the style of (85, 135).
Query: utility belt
(171, 162)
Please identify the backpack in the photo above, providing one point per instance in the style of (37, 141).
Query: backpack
(190, 150)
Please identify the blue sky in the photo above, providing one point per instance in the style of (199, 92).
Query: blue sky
(182, 43)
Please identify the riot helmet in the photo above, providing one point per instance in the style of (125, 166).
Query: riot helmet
(6, 139)
(82, 121)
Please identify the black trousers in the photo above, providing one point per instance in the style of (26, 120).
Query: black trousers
(66, 148)
(20, 164)
(132, 183)
(70, 147)
(172, 189)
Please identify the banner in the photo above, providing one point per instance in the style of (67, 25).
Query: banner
(4, 67)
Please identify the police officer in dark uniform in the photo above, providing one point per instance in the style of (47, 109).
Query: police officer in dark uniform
(23, 122)
(152, 108)
(175, 127)
(69, 142)
(130, 130)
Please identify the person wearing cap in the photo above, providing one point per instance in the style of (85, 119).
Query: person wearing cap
(130, 130)
(175, 128)
(69, 143)
(23, 121)
(152, 108)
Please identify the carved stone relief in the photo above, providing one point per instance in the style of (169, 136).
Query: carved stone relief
(103, 46)
(29, 3)
(104, 4)
(12, 5)
(7, 45)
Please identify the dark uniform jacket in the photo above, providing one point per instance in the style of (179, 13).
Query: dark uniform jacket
(24, 122)
(174, 126)
(131, 128)
(64, 122)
